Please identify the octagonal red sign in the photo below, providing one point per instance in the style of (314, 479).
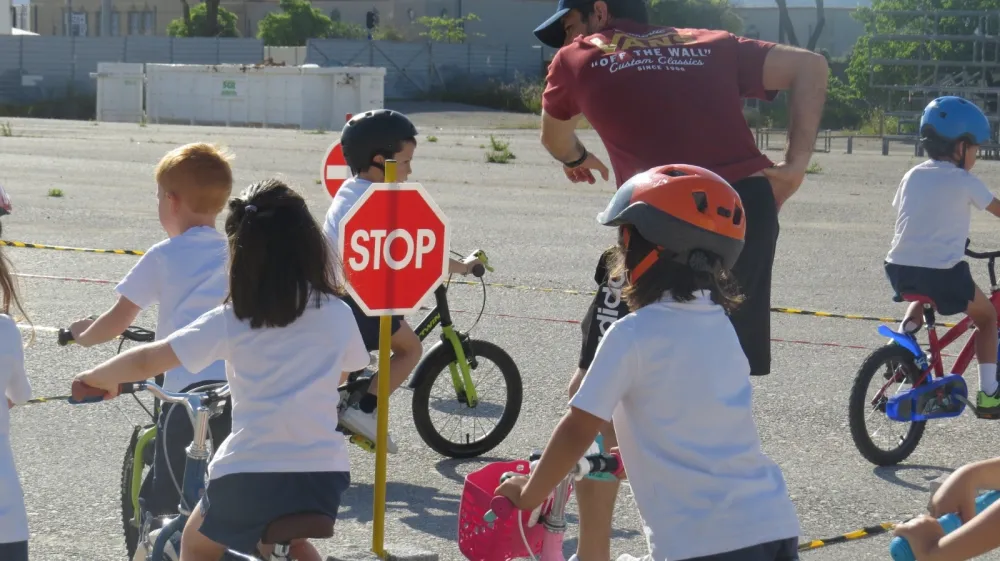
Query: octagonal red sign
(394, 245)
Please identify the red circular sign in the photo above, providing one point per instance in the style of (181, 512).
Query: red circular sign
(394, 246)
(335, 170)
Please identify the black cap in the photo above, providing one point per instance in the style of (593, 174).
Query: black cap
(551, 32)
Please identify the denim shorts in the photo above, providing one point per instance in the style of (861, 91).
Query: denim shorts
(14, 551)
(239, 506)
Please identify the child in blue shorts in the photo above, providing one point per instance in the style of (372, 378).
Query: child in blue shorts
(934, 203)
(288, 340)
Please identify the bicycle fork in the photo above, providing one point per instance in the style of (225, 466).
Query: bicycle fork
(461, 375)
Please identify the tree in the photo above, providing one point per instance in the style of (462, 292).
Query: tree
(298, 22)
(196, 23)
(787, 29)
(876, 21)
(445, 29)
(704, 14)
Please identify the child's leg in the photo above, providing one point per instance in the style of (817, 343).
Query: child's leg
(301, 550)
(194, 545)
(984, 315)
(913, 319)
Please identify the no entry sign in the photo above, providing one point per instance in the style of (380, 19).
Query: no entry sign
(394, 245)
(335, 170)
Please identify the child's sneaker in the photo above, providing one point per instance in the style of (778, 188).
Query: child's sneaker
(364, 424)
(987, 404)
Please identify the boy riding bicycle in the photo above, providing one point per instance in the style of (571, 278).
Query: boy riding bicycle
(934, 202)
(186, 275)
(368, 140)
(673, 377)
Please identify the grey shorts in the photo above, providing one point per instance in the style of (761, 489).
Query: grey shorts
(779, 550)
(238, 507)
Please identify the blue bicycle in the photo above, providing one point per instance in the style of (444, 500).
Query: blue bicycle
(202, 406)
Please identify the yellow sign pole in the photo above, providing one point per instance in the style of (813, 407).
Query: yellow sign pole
(382, 436)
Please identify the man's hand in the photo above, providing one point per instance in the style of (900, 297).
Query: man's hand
(583, 171)
(785, 180)
(923, 533)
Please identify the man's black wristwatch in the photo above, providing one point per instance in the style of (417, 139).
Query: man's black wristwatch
(577, 163)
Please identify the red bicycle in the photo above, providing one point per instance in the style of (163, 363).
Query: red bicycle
(930, 393)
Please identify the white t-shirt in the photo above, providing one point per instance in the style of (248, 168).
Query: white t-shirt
(348, 194)
(186, 275)
(13, 516)
(676, 382)
(934, 203)
(284, 386)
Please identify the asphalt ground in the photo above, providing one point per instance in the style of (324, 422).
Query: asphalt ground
(540, 232)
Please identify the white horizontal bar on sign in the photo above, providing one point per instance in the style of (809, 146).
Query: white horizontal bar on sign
(338, 172)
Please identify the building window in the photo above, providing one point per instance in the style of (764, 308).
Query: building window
(115, 23)
(134, 23)
(74, 23)
(149, 22)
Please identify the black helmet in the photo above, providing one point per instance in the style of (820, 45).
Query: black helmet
(373, 133)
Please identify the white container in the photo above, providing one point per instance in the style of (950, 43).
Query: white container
(6, 24)
(119, 91)
(268, 96)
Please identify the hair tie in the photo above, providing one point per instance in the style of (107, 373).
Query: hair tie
(250, 208)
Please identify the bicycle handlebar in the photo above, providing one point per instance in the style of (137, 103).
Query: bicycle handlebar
(502, 507)
(479, 270)
(133, 333)
(990, 255)
(82, 393)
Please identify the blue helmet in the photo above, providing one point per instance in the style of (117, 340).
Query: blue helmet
(953, 118)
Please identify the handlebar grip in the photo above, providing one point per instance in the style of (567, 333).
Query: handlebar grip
(65, 337)
(82, 393)
(501, 506)
(899, 548)
(479, 270)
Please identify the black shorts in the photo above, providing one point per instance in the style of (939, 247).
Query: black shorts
(951, 289)
(239, 506)
(369, 325)
(751, 320)
(174, 434)
(779, 550)
(14, 551)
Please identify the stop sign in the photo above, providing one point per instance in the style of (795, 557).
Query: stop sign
(394, 245)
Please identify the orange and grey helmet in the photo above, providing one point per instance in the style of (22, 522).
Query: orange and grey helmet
(679, 208)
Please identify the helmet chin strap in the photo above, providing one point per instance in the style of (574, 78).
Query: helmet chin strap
(646, 262)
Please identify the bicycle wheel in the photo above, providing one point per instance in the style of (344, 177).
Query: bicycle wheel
(900, 368)
(437, 362)
(129, 524)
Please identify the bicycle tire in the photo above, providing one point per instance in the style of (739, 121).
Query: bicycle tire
(436, 362)
(128, 513)
(858, 407)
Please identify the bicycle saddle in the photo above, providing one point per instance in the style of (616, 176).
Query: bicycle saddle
(303, 525)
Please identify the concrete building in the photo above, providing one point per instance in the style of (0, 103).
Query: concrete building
(840, 30)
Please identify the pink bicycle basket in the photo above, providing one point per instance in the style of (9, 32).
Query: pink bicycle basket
(500, 540)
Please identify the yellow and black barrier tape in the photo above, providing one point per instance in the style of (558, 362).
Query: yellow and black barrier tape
(10, 243)
(778, 310)
(865, 532)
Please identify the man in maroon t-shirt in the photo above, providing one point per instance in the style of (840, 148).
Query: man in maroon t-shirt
(661, 95)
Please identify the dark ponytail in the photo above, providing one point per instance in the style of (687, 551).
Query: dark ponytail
(279, 257)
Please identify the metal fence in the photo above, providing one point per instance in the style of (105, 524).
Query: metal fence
(33, 69)
(44, 68)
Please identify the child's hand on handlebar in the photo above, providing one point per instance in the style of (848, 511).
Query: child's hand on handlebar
(85, 383)
(621, 474)
(513, 488)
(79, 326)
(923, 534)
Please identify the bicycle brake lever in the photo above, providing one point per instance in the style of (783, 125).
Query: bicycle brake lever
(481, 256)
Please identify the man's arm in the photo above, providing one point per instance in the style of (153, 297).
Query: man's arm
(559, 138)
(804, 74)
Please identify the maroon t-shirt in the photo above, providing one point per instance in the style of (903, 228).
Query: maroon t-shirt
(661, 95)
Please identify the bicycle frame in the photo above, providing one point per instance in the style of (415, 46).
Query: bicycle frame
(461, 376)
(937, 345)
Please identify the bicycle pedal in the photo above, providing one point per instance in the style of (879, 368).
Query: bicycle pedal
(942, 398)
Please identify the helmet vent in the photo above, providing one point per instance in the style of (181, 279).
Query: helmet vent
(724, 212)
(700, 200)
(676, 173)
(737, 216)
